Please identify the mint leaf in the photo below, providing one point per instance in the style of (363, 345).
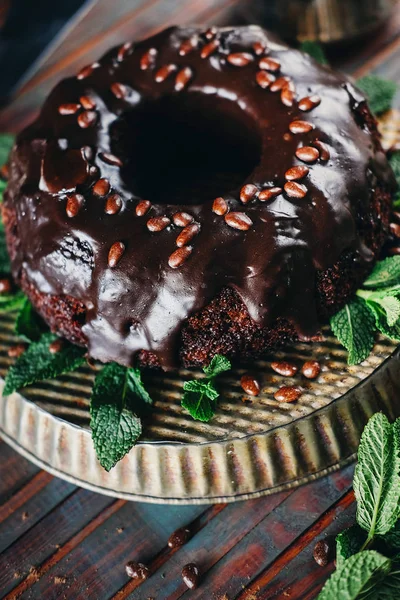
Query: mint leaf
(136, 386)
(11, 302)
(389, 588)
(354, 326)
(385, 273)
(115, 429)
(392, 538)
(38, 363)
(391, 306)
(315, 50)
(381, 323)
(6, 143)
(379, 92)
(28, 324)
(376, 477)
(357, 578)
(199, 399)
(218, 365)
(349, 542)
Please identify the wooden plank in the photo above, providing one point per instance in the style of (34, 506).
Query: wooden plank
(301, 577)
(358, 54)
(229, 556)
(15, 472)
(26, 557)
(144, 20)
(216, 537)
(25, 515)
(261, 583)
(37, 483)
(138, 531)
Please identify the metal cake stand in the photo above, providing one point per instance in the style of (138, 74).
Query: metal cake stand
(254, 446)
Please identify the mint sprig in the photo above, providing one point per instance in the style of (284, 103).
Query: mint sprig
(200, 396)
(376, 307)
(354, 327)
(116, 396)
(38, 363)
(379, 92)
(376, 478)
(11, 302)
(315, 50)
(357, 577)
(362, 571)
(28, 324)
(349, 542)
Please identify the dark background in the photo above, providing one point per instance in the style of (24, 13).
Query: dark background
(26, 28)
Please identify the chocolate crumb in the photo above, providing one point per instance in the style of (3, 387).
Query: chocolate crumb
(137, 570)
(191, 576)
(321, 553)
(179, 537)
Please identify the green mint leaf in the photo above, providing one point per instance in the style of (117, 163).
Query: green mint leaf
(392, 538)
(199, 399)
(11, 302)
(315, 50)
(385, 273)
(115, 429)
(6, 143)
(38, 363)
(376, 477)
(218, 365)
(389, 587)
(381, 323)
(136, 386)
(379, 92)
(358, 578)
(28, 324)
(391, 306)
(354, 326)
(349, 542)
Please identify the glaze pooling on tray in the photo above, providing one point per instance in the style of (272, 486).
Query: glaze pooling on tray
(186, 163)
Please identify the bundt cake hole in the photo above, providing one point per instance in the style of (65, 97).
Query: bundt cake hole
(180, 149)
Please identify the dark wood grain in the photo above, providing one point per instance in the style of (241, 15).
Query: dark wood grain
(58, 541)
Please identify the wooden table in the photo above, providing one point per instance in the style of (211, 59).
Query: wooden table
(60, 541)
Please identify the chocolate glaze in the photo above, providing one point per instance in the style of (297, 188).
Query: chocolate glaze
(141, 302)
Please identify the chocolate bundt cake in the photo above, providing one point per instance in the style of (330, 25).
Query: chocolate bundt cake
(199, 192)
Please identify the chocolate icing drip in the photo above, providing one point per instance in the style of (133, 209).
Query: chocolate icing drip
(187, 129)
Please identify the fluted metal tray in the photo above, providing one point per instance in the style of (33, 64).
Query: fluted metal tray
(253, 446)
